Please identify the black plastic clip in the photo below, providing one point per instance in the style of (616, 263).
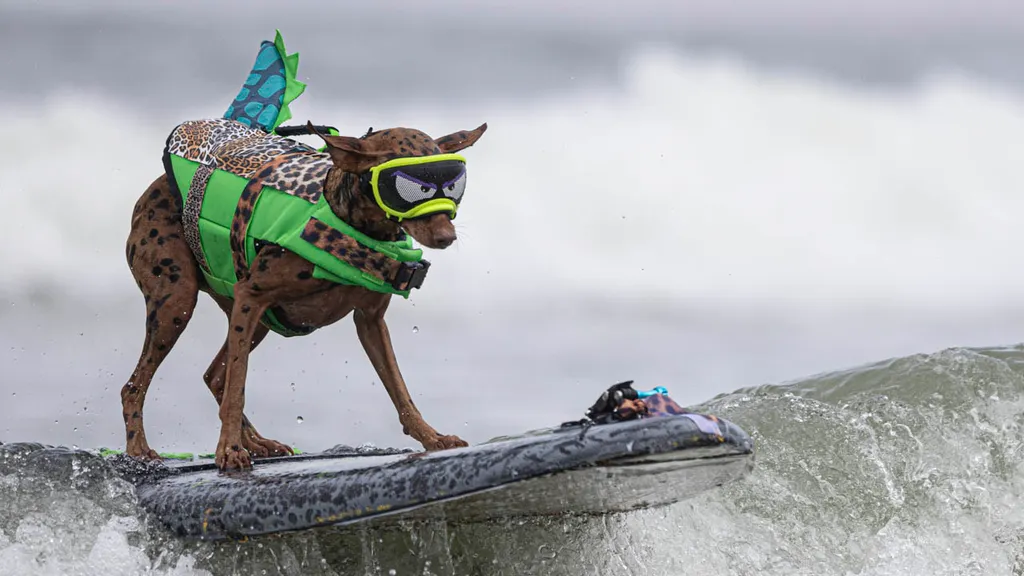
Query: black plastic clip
(410, 275)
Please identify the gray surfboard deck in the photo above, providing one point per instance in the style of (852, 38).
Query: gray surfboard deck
(592, 469)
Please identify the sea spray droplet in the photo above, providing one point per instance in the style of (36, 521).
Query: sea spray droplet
(293, 386)
(415, 329)
(299, 420)
(392, 572)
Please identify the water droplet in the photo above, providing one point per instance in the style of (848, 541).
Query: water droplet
(299, 420)
(74, 429)
(293, 386)
(392, 572)
(415, 329)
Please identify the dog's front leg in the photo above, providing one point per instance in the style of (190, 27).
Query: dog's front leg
(376, 340)
(245, 317)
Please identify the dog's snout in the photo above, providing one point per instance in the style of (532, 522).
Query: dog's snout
(444, 238)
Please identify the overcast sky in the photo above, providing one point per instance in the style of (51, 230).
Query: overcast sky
(520, 49)
(901, 14)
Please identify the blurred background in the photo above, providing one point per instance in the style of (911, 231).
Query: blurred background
(696, 195)
(708, 196)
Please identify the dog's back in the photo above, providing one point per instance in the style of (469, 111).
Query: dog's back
(221, 167)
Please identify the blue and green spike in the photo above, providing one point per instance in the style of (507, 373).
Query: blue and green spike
(270, 87)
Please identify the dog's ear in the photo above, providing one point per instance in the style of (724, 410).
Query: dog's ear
(348, 153)
(460, 140)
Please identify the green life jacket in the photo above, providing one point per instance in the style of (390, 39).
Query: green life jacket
(264, 189)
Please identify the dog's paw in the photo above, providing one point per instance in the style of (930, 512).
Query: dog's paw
(259, 447)
(233, 458)
(142, 452)
(442, 442)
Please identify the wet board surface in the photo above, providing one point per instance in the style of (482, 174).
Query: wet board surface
(595, 469)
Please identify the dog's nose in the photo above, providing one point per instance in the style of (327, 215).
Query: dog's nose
(444, 238)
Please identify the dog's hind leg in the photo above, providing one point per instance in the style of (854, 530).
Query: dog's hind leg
(168, 276)
(252, 441)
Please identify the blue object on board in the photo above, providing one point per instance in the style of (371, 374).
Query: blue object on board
(657, 390)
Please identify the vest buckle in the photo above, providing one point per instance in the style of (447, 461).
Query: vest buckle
(410, 275)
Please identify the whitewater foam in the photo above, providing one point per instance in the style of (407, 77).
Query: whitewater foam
(701, 179)
(67, 513)
(697, 178)
(902, 467)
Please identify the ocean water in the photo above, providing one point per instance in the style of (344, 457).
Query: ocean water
(905, 466)
(721, 214)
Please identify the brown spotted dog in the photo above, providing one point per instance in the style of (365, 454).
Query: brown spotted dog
(168, 274)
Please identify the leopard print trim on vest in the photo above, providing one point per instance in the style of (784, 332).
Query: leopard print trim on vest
(264, 159)
(240, 226)
(229, 145)
(190, 213)
(346, 248)
(300, 174)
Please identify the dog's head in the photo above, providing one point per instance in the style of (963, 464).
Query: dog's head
(421, 207)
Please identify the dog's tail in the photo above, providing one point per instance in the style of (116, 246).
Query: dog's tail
(268, 90)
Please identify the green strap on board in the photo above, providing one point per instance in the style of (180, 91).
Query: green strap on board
(105, 452)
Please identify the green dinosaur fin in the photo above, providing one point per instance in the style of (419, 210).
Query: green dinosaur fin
(263, 102)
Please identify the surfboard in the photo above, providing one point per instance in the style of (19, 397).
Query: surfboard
(572, 469)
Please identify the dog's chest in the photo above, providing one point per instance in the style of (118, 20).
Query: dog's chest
(331, 305)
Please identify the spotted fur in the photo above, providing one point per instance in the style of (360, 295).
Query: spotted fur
(406, 142)
(166, 270)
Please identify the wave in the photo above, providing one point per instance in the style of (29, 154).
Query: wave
(902, 467)
(695, 178)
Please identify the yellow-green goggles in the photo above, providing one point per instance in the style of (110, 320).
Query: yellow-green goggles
(411, 187)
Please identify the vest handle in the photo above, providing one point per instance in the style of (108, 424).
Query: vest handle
(288, 131)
